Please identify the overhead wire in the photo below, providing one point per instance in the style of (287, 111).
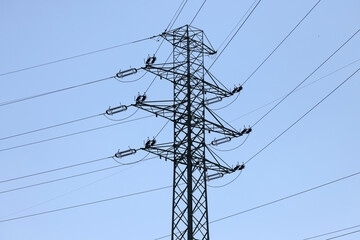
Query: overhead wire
(343, 235)
(75, 56)
(299, 119)
(51, 126)
(271, 53)
(278, 200)
(67, 193)
(236, 25)
(85, 204)
(73, 134)
(52, 92)
(329, 233)
(302, 87)
(83, 84)
(197, 12)
(165, 187)
(297, 86)
(73, 176)
(286, 37)
(53, 170)
(251, 12)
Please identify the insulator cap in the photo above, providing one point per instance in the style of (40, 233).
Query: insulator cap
(126, 73)
(214, 176)
(212, 100)
(125, 153)
(115, 110)
(220, 141)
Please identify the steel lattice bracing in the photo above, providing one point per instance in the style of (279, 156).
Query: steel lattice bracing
(190, 216)
(187, 111)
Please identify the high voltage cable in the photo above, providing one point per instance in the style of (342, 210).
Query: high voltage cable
(64, 123)
(328, 233)
(85, 204)
(68, 192)
(217, 57)
(197, 12)
(278, 200)
(161, 188)
(51, 126)
(55, 91)
(72, 134)
(296, 26)
(54, 170)
(230, 33)
(73, 176)
(343, 235)
(298, 120)
(75, 165)
(277, 99)
(79, 85)
(272, 52)
(76, 56)
(325, 61)
(60, 124)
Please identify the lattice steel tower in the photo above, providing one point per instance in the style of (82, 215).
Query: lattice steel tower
(191, 97)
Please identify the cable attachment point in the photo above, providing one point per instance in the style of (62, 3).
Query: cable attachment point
(212, 100)
(239, 167)
(125, 153)
(214, 176)
(122, 74)
(114, 110)
(245, 131)
(150, 61)
(236, 89)
(140, 98)
(219, 141)
(150, 142)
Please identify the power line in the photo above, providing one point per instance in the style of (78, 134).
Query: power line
(217, 57)
(197, 12)
(277, 99)
(298, 120)
(51, 92)
(287, 197)
(326, 60)
(76, 56)
(272, 52)
(72, 176)
(343, 235)
(85, 204)
(286, 37)
(280, 199)
(54, 170)
(328, 233)
(238, 23)
(51, 126)
(72, 134)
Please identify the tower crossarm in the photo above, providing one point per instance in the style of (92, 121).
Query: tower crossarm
(196, 44)
(166, 151)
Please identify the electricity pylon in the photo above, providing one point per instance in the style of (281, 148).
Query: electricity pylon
(191, 97)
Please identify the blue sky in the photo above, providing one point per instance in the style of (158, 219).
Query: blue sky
(320, 148)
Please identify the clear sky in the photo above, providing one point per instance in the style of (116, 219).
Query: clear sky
(320, 148)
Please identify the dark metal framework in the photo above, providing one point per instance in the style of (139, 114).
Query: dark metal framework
(187, 112)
